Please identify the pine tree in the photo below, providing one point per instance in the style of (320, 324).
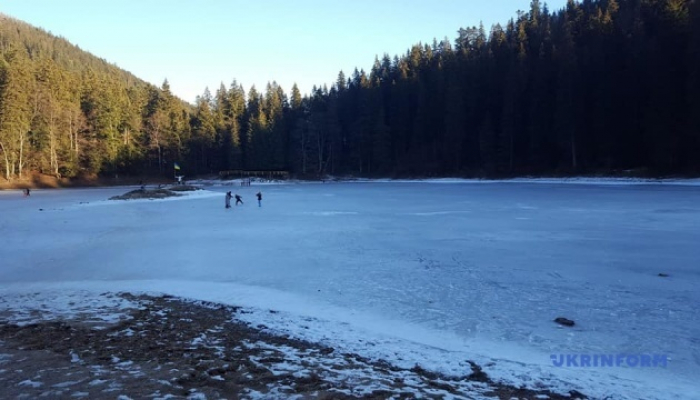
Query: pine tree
(565, 114)
(234, 113)
(15, 111)
(203, 134)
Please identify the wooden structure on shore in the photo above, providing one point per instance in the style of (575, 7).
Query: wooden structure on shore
(243, 174)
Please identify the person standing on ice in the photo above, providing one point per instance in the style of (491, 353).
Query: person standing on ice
(228, 199)
(259, 196)
(239, 199)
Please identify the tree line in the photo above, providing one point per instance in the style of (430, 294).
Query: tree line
(601, 86)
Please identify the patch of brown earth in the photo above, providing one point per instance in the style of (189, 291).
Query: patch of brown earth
(171, 348)
(146, 194)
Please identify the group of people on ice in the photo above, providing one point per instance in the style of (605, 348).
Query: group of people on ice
(239, 199)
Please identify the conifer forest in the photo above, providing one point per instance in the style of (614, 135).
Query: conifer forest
(598, 87)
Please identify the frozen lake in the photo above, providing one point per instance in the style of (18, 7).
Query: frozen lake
(471, 270)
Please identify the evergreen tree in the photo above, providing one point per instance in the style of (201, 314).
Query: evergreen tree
(235, 109)
(15, 111)
(203, 134)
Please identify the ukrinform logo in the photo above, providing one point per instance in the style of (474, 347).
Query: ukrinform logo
(610, 360)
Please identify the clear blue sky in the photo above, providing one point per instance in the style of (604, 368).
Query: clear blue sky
(198, 44)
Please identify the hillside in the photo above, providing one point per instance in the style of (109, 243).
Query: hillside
(67, 113)
(40, 44)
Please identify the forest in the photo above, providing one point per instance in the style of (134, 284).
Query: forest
(602, 87)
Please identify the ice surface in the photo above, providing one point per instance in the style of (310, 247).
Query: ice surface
(430, 272)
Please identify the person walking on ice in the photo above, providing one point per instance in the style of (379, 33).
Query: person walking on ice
(259, 196)
(228, 199)
(239, 199)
